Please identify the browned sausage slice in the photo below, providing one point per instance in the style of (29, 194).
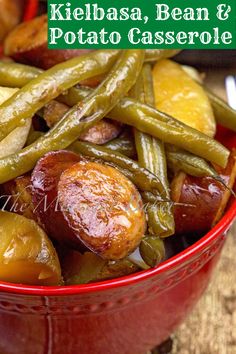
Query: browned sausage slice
(44, 179)
(207, 199)
(27, 44)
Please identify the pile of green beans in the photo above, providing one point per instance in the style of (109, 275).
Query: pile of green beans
(151, 155)
(125, 95)
(159, 139)
(158, 124)
(169, 130)
(180, 160)
(79, 118)
(18, 75)
(123, 144)
(177, 159)
(48, 85)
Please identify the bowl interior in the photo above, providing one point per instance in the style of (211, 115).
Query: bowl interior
(225, 136)
(228, 138)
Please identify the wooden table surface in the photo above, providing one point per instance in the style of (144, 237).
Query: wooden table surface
(211, 328)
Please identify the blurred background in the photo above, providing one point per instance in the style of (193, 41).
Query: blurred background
(208, 59)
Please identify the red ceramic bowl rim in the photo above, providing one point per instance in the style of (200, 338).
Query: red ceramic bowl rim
(213, 234)
(169, 264)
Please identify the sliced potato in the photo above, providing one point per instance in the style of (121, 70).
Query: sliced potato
(16, 140)
(26, 253)
(178, 95)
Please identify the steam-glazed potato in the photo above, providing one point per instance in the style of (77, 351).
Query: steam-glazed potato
(27, 43)
(44, 179)
(26, 254)
(205, 199)
(178, 95)
(103, 208)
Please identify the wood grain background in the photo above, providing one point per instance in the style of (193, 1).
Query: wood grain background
(211, 328)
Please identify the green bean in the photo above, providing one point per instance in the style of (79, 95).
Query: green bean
(142, 178)
(17, 75)
(160, 216)
(152, 250)
(151, 155)
(81, 117)
(224, 114)
(169, 130)
(82, 268)
(149, 197)
(123, 144)
(74, 95)
(33, 136)
(88, 267)
(116, 269)
(194, 165)
(157, 54)
(149, 149)
(178, 159)
(159, 125)
(48, 85)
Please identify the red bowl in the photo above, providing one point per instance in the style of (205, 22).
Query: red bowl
(129, 315)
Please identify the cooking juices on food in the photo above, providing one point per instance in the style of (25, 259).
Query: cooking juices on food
(108, 162)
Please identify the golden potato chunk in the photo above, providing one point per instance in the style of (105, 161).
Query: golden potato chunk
(178, 95)
(26, 254)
